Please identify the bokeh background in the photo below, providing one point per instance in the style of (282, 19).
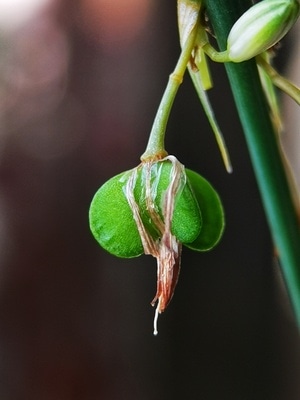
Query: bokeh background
(80, 82)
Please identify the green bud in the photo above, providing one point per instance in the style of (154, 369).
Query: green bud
(261, 27)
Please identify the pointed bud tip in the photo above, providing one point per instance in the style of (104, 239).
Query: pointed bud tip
(261, 27)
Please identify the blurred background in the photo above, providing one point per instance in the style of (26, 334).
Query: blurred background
(80, 82)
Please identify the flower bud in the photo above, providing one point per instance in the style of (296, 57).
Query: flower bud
(260, 27)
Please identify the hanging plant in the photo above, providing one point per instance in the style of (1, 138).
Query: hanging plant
(160, 206)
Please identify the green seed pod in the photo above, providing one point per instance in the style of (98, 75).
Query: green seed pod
(154, 209)
(111, 219)
(186, 218)
(213, 221)
(153, 188)
(260, 27)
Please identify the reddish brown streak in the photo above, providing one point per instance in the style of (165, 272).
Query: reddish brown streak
(167, 249)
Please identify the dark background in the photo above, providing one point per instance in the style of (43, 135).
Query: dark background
(80, 85)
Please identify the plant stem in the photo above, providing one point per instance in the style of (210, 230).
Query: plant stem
(156, 144)
(263, 148)
(279, 80)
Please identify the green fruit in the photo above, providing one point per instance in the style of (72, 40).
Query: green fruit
(111, 220)
(197, 218)
(186, 220)
(212, 212)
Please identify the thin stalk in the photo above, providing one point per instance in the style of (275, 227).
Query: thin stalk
(263, 148)
(156, 144)
(280, 81)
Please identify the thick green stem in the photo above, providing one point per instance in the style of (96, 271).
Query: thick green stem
(156, 144)
(263, 148)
